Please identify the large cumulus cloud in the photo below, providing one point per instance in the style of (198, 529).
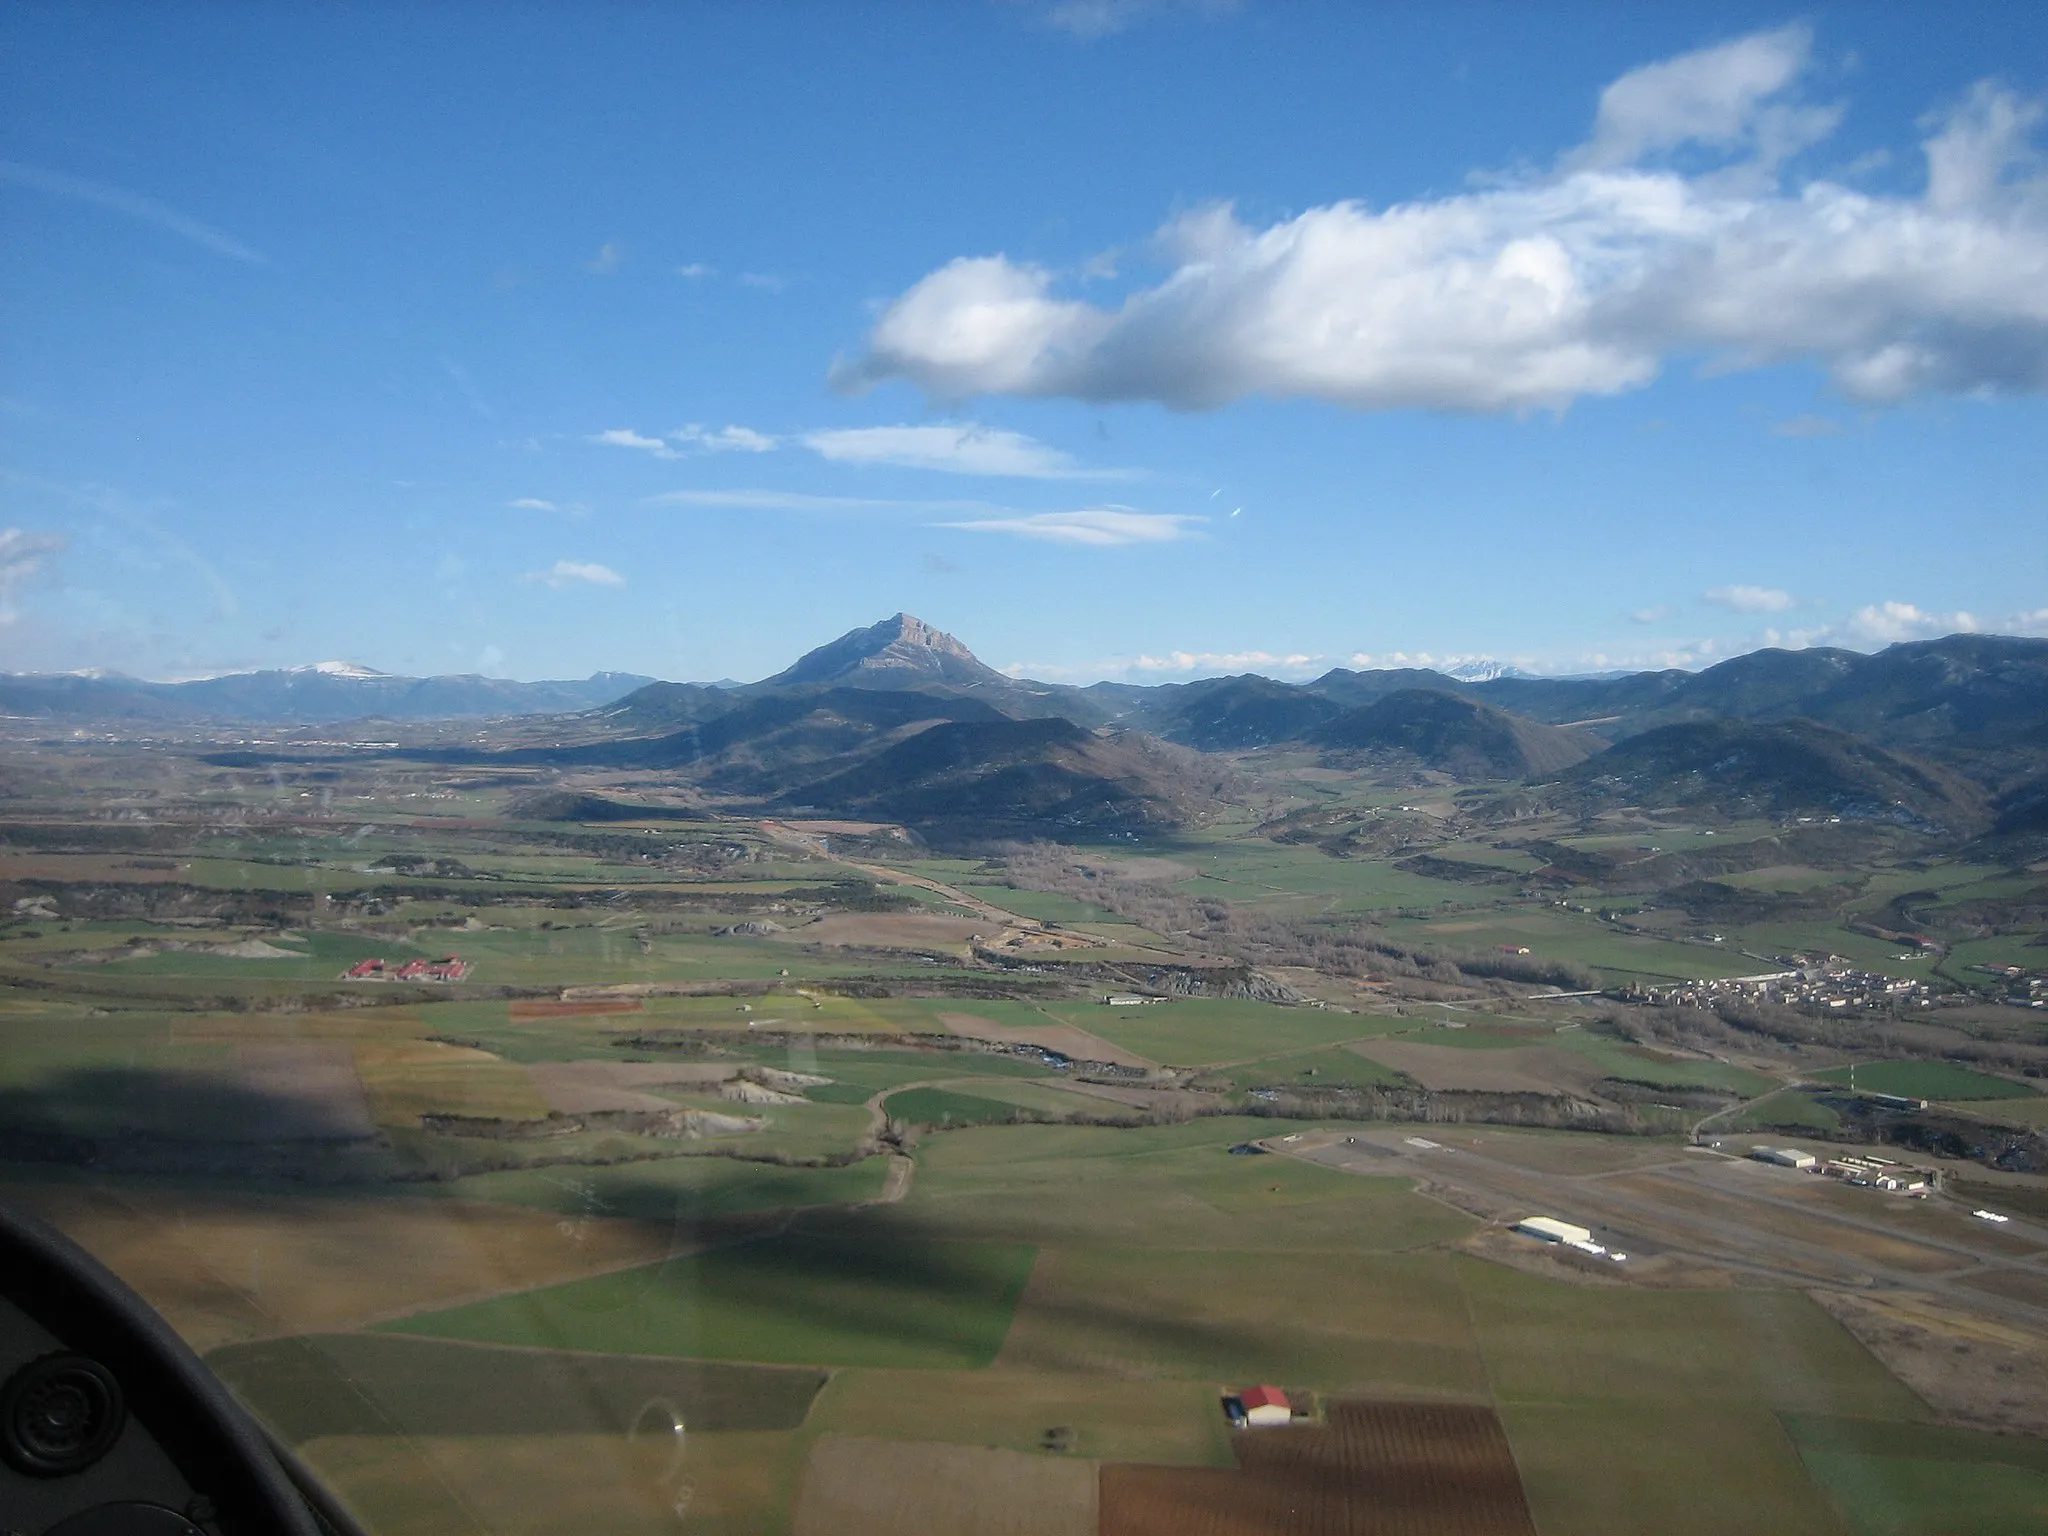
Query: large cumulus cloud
(1670, 232)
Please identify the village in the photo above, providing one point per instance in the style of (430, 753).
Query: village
(1826, 985)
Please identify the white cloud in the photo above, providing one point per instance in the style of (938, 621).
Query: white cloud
(693, 436)
(24, 552)
(696, 269)
(606, 261)
(1531, 293)
(1720, 97)
(724, 440)
(1176, 663)
(799, 501)
(534, 504)
(767, 501)
(1890, 623)
(565, 573)
(967, 449)
(1743, 599)
(1096, 527)
(626, 437)
(1651, 615)
(119, 200)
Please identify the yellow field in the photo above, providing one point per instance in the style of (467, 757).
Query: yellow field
(860, 1487)
(406, 1079)
(226, 1267)
(542, 1485)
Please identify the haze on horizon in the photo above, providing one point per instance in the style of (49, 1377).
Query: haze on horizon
(1140, 342)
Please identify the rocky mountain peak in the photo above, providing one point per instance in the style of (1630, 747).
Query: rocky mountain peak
(901, 651)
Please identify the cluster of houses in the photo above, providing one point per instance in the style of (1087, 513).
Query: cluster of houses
(1827, 986)
(447, 968)
(2023, 988)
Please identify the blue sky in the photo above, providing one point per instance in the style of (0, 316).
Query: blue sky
(1121, 340)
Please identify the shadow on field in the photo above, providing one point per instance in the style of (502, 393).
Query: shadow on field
(879, 1292)
(378, 1384)
(141, 1117)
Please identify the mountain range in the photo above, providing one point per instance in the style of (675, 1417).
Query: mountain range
(322, 694)
(901, 721)
(1964, 690)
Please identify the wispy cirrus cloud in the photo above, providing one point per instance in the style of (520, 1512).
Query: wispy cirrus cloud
(693, 438)
(964, 449)
(1747, 599)
(534, 504)
(133, 205)
(724, 439)
(626, 437)
(802, 501)
(960, 448)
(572, 573)
(1092, 527)
(1539, 290)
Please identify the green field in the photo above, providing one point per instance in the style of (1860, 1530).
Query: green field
(941, 1108)
(1327, 1069)
(1167, 1421)
(1046, 906)
(1788, 1110)
(796, 1300)
(1579, 938)
(1926, 1080)
(1893, 1479)
(1155, 1187)
(674, 1189)
(1300, 879)
(1199, 1032)
(1637, 1065)
(1389, 1325)
(1633, 1467)
(1546, 1342)
(369, 1384)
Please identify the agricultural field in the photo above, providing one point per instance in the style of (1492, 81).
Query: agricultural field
(782, 1300)
(1925, 1080)
(1376, 1467)
(734, 1171)
(1199, 1032)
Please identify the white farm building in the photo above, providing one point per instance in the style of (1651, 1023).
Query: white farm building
(1551, 1230)
(1784, 1157)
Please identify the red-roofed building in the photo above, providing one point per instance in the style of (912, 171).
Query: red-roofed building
(1266, 1405)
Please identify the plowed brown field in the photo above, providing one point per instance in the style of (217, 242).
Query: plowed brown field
(541, 1008)
(1376, 1469)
